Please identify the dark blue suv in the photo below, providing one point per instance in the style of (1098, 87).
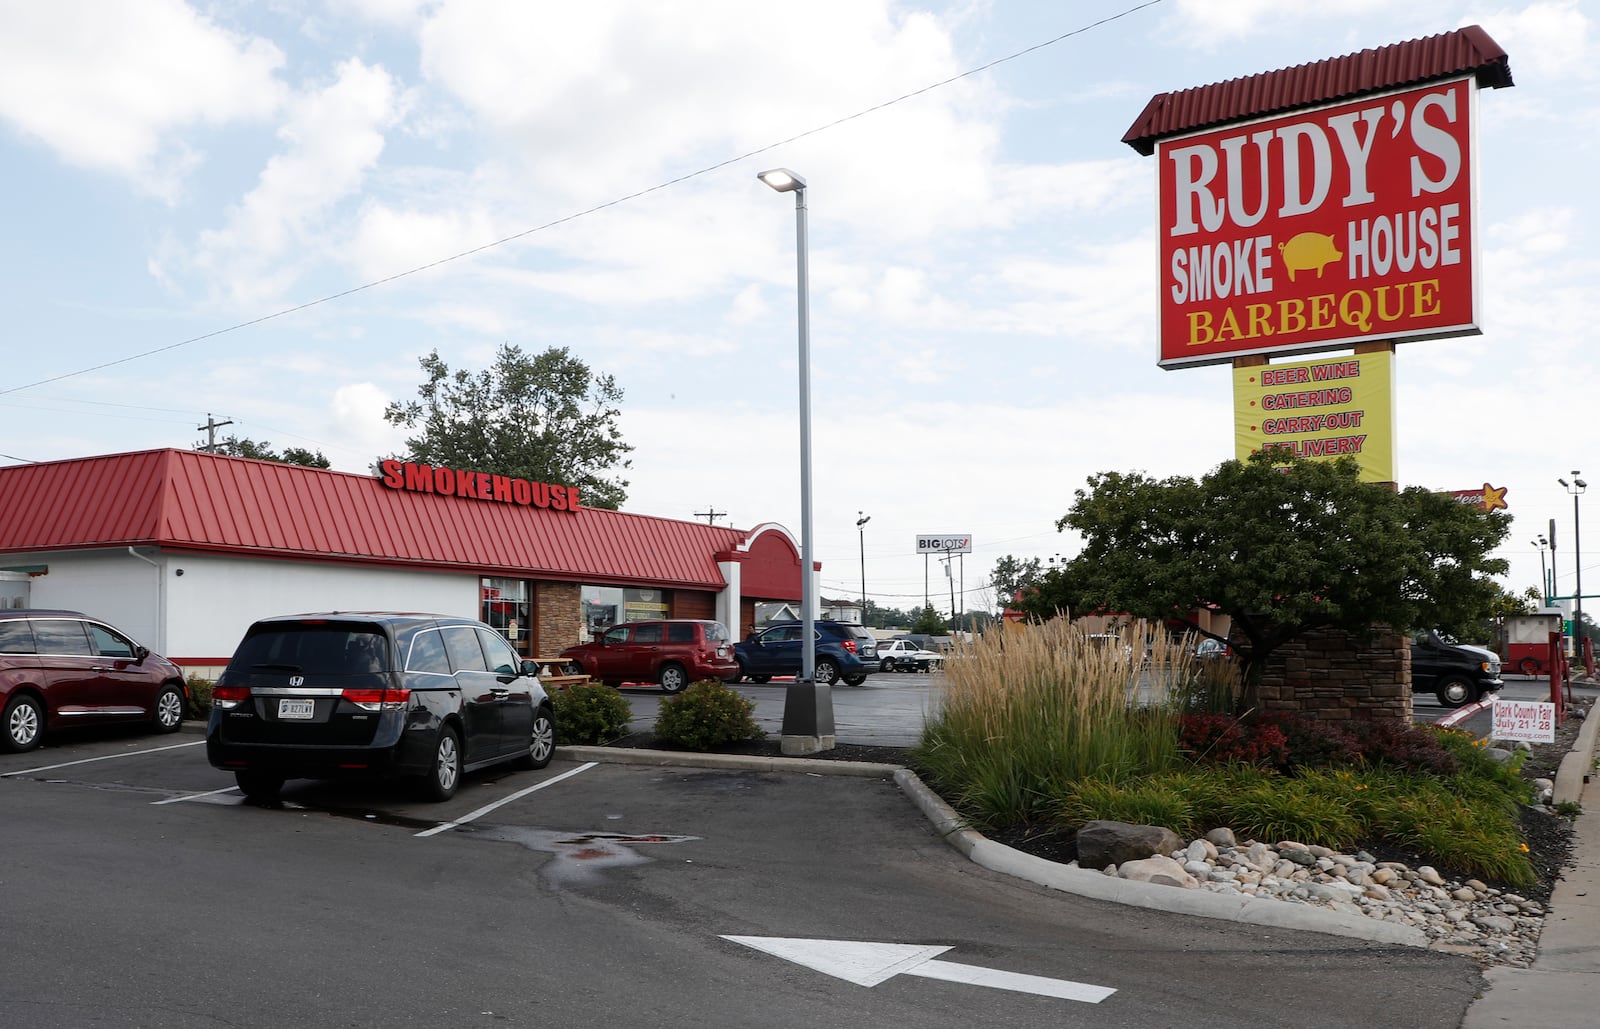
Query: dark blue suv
(844, 651)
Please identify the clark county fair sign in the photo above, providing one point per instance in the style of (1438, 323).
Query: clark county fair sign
(1320, 229)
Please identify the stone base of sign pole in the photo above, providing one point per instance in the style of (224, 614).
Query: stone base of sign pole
(807, 718)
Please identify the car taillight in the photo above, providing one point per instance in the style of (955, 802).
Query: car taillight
(850, 645)
(375, 700)
(227, 697)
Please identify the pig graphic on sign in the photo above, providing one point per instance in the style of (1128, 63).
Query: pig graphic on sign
(1308, 250)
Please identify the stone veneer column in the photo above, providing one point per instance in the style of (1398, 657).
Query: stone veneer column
(558, 616)
(1337, 676)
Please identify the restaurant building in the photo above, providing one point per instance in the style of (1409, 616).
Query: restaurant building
(183, 550)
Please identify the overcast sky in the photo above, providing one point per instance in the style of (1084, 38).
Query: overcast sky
(983, 263)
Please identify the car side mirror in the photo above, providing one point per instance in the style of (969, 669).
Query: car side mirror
(530, 667)
(140, 652)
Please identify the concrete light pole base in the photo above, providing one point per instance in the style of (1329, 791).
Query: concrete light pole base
(807, 718)
(800, 746)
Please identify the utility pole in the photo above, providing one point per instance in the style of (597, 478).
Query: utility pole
(210, 429)
(711, 514)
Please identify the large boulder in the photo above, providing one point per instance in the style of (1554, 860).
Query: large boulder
(1102, 843)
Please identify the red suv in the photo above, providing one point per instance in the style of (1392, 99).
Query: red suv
(61, 668)
(673, 653)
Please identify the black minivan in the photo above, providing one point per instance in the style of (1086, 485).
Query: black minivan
(420, 696)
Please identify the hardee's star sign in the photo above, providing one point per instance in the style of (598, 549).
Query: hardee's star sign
(1491, 498)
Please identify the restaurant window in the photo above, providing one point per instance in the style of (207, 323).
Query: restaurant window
(507, 606)
(605, 606)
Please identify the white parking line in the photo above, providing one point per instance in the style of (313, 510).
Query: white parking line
(193, 796)
(464, 819)
(103, 757)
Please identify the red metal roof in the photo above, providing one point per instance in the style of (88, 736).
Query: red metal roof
(1466, 50)
(187, 500)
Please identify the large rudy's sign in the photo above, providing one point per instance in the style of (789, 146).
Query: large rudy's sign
(1313, 231)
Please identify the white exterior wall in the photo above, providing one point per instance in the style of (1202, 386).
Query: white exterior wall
(728, 599)
(214, 600)
(189, 606)
(112, 585)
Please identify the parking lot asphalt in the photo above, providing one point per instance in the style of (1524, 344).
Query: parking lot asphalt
(1561, 989)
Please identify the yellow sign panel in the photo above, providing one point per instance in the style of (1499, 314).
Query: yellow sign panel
(1334, 407)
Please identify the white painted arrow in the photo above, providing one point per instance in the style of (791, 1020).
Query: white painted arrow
(868, 964)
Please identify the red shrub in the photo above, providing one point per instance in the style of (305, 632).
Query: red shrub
(1224, 739)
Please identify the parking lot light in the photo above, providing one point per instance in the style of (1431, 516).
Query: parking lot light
(808, 705)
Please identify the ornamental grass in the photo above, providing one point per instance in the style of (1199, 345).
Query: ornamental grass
(1023, 714)
(1045, 726)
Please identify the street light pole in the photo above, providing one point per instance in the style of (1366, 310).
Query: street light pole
(1576, 488)
(1544, 576)
(808, 705)
(861, 523)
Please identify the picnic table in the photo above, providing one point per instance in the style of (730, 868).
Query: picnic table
(560, 672)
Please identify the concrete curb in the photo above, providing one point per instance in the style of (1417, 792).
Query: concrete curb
(1096, 885)
(998, 857)
(1573, 771)
(689, 759)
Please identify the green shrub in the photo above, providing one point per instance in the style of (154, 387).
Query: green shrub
(199, 695)
(1303, 808)
(1158, 800)
(589, 714)
(707, 714)
(1472, 754)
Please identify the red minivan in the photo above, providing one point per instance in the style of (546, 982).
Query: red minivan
(63, 668)
(673, 652)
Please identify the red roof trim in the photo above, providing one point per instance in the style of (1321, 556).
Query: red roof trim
(1449, 54)
(186, 501)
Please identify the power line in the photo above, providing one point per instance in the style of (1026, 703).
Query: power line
(307, 305)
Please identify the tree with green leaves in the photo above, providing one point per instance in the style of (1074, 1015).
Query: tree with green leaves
(1011, 575)
(928, 622)
(234, 446)
(546, 418)
(1280, 545)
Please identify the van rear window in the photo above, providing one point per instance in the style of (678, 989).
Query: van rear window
(339, 649)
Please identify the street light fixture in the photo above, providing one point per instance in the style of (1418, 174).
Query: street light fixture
(1576, 488)
(808, 705)
(861, 529)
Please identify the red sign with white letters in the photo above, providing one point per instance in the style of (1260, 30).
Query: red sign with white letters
(1319, 229)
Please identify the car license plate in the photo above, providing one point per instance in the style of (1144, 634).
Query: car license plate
(288, 708)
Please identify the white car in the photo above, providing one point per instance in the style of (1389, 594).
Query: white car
(905, 655)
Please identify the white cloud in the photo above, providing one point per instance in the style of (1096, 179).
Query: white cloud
(603, 99)
(331, 140)
(109, 86)
(1544, 40)
(390, 239)
(356, 415)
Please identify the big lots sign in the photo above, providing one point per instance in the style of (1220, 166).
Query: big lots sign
(1318, 229)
